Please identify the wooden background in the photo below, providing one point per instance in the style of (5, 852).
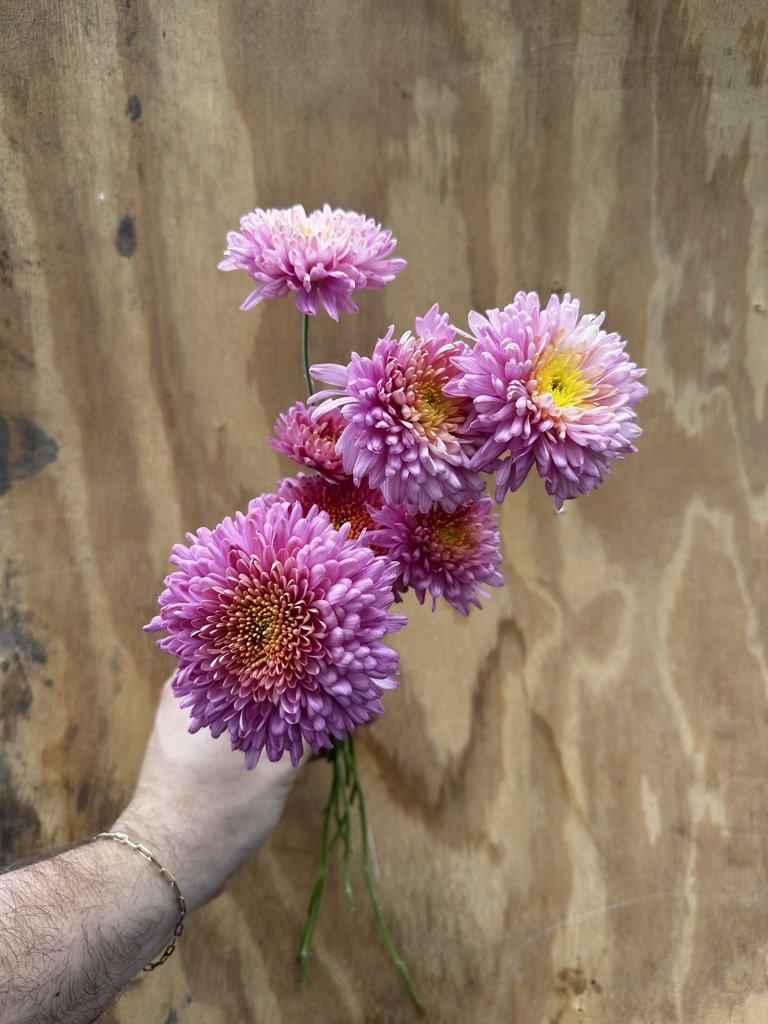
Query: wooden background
(569, 789)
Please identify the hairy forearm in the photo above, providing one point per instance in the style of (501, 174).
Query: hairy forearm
(74, 929)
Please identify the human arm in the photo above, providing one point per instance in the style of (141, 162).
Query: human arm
(78, 926)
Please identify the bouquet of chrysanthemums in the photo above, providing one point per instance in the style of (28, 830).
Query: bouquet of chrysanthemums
(279, 615)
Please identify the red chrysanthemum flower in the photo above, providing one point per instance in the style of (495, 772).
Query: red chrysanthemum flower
(444, 554)
(323, 257)
(277, 620)
(402, 432)
(548, 389)
(310, 440)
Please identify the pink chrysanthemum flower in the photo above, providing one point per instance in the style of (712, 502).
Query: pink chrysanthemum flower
(323, 257)
(550, 390)
(444, 554)
(277, 620)
(343, 500)
(402, 432)
(310, 439)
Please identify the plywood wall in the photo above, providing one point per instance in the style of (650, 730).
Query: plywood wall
(569, 789)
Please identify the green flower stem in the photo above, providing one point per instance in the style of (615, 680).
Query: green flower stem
(386, 938)
(347, 798)
(305, 353)
(318, 885)
(345, 789)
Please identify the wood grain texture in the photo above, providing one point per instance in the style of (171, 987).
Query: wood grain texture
(569, 789)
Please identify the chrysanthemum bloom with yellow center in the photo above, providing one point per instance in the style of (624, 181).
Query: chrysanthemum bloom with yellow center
(323, 257)
(548, 389)
(402, 433)
(310, 440)
(444, 554)
(277, 619)
(343, 500)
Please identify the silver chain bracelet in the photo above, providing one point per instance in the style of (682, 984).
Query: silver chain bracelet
(121, 837)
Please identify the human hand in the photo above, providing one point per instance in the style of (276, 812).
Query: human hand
(197, 808)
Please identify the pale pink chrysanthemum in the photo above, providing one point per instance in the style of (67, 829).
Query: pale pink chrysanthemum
(323, 256)
(310, 440)
(550, 390)
(402, 432)
(277, 621)
(444, 554)
(343, 500)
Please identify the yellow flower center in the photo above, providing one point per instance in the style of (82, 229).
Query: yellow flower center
(430, 403)
(561, 376)
(436, 410)
(450, 534)
(449, 529)
(265, 628)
